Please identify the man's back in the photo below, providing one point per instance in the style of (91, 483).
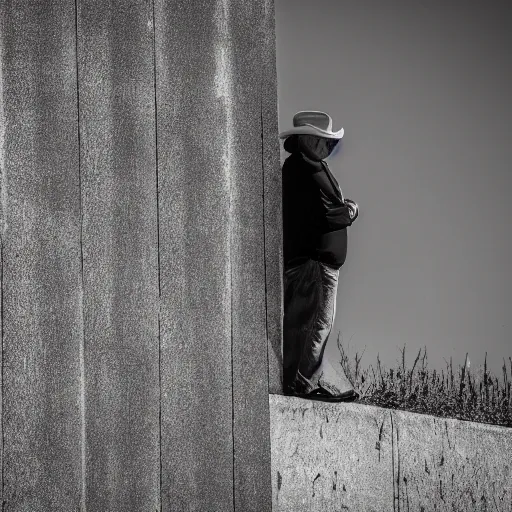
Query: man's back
(302, 210)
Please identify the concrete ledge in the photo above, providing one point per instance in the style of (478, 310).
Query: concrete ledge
(334, 457)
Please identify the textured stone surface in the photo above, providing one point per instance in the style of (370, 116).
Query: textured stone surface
(325, 456)
(41, 310)
(120, 251)
(356, 457)
(456, 465)
(135, 173)
(272, 199)
(252, 484)
(194, 202)
(214, 413)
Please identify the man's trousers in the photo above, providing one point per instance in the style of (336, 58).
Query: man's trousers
(309, 310)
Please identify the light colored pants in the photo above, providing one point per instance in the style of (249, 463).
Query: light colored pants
(309, 310)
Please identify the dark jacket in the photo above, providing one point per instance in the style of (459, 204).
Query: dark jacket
(315, 217)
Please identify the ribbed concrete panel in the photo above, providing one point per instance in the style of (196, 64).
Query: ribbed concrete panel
(252, 485)
(214, 351)
(118, 160)
(195, 166)
(272, 200)
(41, 271)
(138, 315)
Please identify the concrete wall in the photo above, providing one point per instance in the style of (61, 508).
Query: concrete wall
(140, 273)
(334, 457)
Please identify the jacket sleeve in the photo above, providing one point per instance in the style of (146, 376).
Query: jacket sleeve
(338, 217)
(324, 184)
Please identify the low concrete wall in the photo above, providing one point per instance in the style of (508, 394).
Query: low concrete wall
(334, 457)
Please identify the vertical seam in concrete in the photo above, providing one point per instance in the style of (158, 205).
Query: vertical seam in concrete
(2, 136)
(224, 90)
(2, 315)
(83, 501)
(231, 334)
(158, 264)
(2, 341)
(2, 235)
(229, 129)
(262, 75)
(263, 33)
(82, 340)
(231, 318)
(226, 62)
(398, 467)
(232, 359)
(393, 458)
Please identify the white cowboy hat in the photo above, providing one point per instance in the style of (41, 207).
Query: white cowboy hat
(312, 122)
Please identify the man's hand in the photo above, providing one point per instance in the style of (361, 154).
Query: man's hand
(353, 207)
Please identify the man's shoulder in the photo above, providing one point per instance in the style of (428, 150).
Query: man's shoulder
(298, 161)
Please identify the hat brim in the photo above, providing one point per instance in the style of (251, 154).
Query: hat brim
(312, 130)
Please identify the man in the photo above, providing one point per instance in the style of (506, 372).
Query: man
(315, 218)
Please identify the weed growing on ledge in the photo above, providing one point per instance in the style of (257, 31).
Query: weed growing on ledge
(478, 396)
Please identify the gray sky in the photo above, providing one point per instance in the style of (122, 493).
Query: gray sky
(422, 90)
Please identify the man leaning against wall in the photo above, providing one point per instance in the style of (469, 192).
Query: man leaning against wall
(315, 221)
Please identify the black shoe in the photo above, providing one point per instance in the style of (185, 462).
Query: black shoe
(324, 395)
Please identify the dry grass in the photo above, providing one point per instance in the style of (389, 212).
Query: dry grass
(461, 393)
